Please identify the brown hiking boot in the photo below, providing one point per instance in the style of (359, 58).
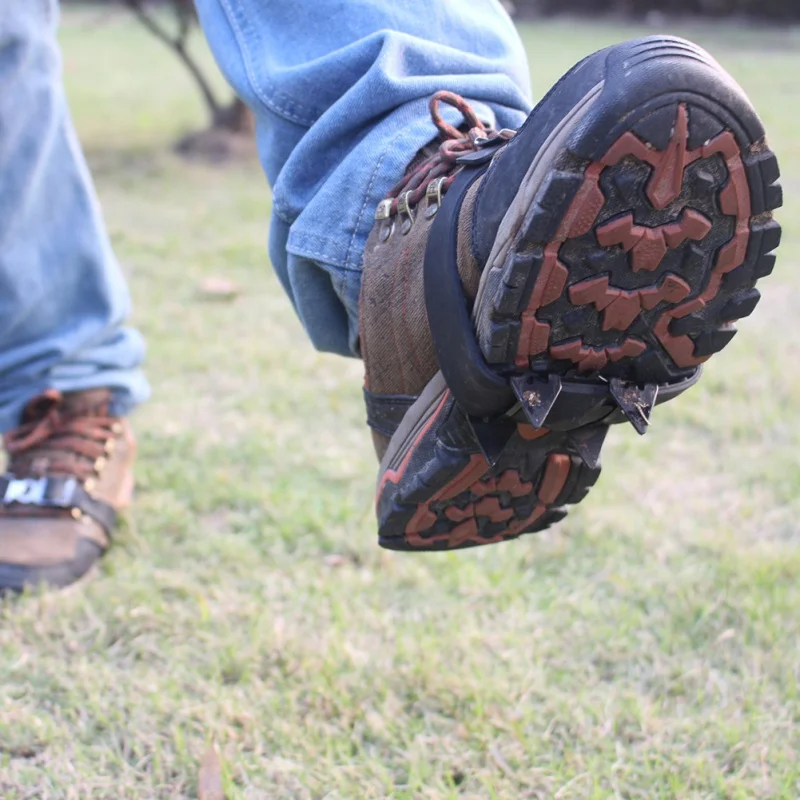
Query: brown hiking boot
(523, 291)
(396, 342)
(69, 471)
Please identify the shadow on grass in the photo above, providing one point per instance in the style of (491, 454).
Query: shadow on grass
(125, 161)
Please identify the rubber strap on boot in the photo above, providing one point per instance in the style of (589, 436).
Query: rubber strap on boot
(479, 390)
(58, 493)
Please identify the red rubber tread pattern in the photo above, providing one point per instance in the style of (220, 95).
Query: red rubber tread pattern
(485, 501)
(632, 284)
(646, 246)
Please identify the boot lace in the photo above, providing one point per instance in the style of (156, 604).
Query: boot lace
(434, 176)
(52, 439)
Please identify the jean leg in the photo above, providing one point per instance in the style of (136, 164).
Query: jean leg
(339, 89)
(63, 297)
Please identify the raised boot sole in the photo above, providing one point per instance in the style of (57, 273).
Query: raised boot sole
(631, 245)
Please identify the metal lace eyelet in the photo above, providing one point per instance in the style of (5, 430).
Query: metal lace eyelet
(384, 210)
(386, 230)
(433, 194)
(404, 208)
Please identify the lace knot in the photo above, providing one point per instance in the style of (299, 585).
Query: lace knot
(441, 166)
(55, 438)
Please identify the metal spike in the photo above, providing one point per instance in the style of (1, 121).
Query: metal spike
(588, 441)
(536, 396)
(636, 403)
(492, 436)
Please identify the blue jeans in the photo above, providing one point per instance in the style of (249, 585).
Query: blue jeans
(63, 298)
(339, 89)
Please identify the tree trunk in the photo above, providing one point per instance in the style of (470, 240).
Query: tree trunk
(230, 136)
(236, 117)
(231, 130)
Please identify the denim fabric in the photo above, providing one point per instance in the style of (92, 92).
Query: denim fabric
(62, 295)
(340, 91)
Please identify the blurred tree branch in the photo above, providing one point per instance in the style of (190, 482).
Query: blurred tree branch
(185, 17)
(232, 118)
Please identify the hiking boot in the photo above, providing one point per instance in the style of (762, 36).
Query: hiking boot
(69, 471)
(524, 291)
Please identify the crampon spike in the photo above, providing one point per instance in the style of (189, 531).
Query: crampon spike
(588, 441)
(492, 436)
(536, 396)
(636, 403)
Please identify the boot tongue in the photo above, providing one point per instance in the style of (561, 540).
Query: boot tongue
(45, 442)
(423, 154)
(91, 402)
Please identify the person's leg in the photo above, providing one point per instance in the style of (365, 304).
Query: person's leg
(340, 93)
(67, 365)
(63, 298)
(560, 278)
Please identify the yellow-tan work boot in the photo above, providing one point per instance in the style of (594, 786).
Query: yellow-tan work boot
(69, 472)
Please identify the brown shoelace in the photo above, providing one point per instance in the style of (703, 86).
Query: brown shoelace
(55, 439)
(441, 166)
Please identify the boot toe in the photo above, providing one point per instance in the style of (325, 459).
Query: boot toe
(54, 552)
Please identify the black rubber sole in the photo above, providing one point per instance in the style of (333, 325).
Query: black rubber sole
(603, 281)
(15, 578)
(638, 245)
(450, 498)
(635, 262)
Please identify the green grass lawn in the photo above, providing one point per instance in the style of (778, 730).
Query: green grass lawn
(648, 647)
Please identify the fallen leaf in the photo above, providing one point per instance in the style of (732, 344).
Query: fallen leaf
(23, 750)
(209, 780)
(219, 289)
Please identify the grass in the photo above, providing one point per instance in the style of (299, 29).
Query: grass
(646, 648)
